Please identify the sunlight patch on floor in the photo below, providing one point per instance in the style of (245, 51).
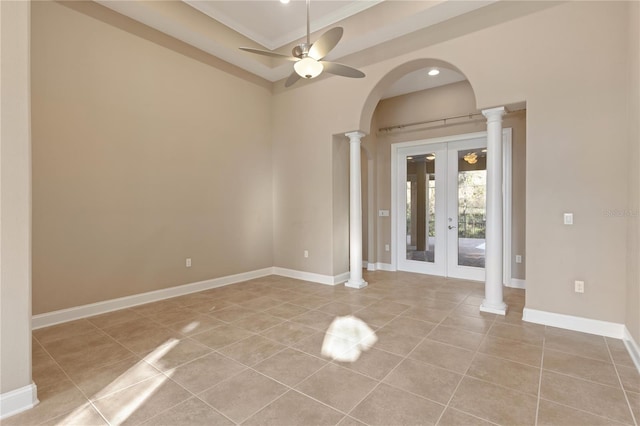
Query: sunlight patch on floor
(346, 338)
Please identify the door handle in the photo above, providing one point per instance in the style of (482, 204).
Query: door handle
(451, 227)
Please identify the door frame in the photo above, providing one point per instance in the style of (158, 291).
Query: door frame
(507, 160)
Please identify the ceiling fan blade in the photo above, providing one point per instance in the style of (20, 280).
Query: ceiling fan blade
(325, 43)
(343, 70)
(269, 53)
(292, 79)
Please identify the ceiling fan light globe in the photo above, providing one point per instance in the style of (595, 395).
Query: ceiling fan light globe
(308, 67)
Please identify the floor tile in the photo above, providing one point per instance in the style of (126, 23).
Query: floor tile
(113, 318)
(530, 336)
(311, 345)
(95, 350)
(388, 307)
(453, 417)
(630, 378)
(494, 403)
(295, 409)
(194, 324)
(512, 350)
(410, 327)
(477, 325)
(102, 381)
(426, 314)
(597, 399)
(315, 319)
(85, 415)
(211, 306)
(373, 363)
(339, 308)
(310, 302)
(192, 412)
(290, 366)
(634, 401)
(261, 303)
(232, 313)
(425, 380)
(175, 353)
(203, 373)
(258, 322)
(141, 401)
(338, 387)
(350, 421)
(551, 414)
(391, 341)
(288, 333)
(286, 311)
(64, 331)
(243, 395)
(519, 377)
(155, 307)
(573, 342)
(456, 337)
(141, 336)
(387, 405)
(619, 352)
(441, 355)
(583, 368)
(171, 315)
(374, 318)
(222, 336)
(252, 350)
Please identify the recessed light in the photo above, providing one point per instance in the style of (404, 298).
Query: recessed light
(433, 72)
(284, 1)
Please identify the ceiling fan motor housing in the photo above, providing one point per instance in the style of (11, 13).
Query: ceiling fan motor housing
(301, 50)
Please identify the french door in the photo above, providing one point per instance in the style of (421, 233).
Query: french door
(441, 208)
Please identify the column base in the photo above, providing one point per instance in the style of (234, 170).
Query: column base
(356, 283)
(499, 309)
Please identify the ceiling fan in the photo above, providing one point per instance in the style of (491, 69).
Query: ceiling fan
(307, 57)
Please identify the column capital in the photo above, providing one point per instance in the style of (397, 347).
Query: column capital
(494, 113)
(355, 136)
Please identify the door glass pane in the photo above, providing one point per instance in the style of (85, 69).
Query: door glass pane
(472, 185)
(420, 208)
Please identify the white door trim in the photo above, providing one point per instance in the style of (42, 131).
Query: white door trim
(507, 179)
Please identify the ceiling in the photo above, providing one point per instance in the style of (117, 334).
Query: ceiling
(220, 27)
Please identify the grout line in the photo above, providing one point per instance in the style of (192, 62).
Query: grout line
(544, 339)
(624, 392)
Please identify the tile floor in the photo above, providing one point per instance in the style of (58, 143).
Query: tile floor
(250, 353)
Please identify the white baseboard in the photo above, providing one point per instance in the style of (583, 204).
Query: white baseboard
(570, 322)
(18, 400)
(310, 276)
(632, 348)
(84, 311)
(385, 267)
(517, 283)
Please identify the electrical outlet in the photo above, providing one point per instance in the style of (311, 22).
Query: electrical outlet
(579, 286)
(386, 247)
(306, 253)
(518, 258)
(568, 218)
(187, 263)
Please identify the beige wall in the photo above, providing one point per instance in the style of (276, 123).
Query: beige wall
(576, 115)
(633, 218)
(15, 200)
(446, 101)
(142, 157)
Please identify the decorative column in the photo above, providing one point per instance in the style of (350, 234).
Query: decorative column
(493, 301)
(355, 212)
